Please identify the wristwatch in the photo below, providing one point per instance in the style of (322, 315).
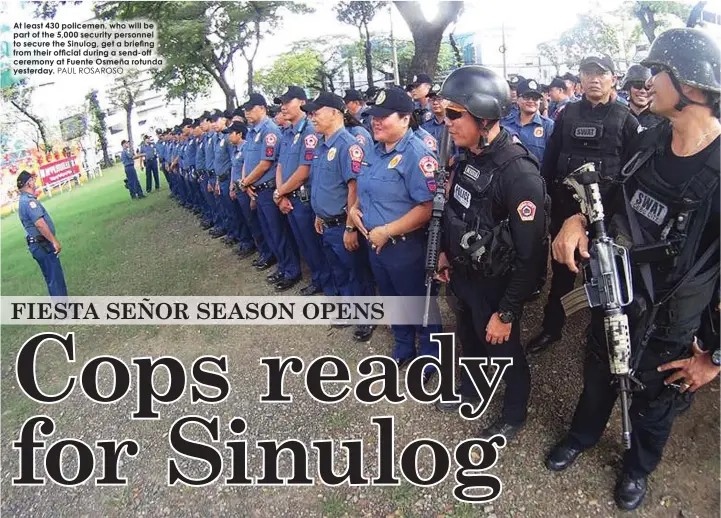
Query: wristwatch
(348, 228)
(716, 357)
(506, 316)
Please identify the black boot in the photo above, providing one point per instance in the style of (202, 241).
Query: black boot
(630, 491)
(562, 455)
(541, 342)
(363, 332)
(501, 427)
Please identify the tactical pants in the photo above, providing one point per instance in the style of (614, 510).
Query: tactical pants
(251, 216)
(399, 271)
(50, 266)
(350, 270)
(652, 411)
(475, 300)
(302, 223)
(133, 184)
(230, 218)
(277, 232)
(208, 198)
(562, 282)
(151, 172)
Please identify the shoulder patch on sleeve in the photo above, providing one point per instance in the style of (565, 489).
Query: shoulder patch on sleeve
(428, 166)
(427, 116)
(356, 157)
(361, 139)
(271, 139)
(526, 210)
(310, 141)
(33, 205)
(429, 141)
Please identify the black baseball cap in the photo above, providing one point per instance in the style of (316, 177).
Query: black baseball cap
(254, 100)
(557, 82)
(186, 122)
(23, 178)
(352, 95)
(514, 80)
(570, 77)
(603, 62)
(529, 86)
(238, 112)
(391, 100)
(237, 127)
(327, 99)
(371, 94)
(420, 79)
(294, 92)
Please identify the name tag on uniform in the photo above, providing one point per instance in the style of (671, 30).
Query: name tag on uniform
(462, 195)
(649, 207)
(471, 172)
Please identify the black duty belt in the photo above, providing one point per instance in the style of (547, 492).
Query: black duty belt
(334, 221)
(211, 173)
(270, 184)
(416, 234)
(223, 177)
(35, 239)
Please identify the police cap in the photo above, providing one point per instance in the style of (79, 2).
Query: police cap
(237, 127)
(604, 62)
(514, 80)
(529, 87)
(186, 122)
(294, 92)
(325, 99)
(691, 55)
(558, 82)
(485, 94)
(352, 95)
(570, 77)
(420, 79)
(23, 178)
(371, 94)
(391, 100)
(253, 101)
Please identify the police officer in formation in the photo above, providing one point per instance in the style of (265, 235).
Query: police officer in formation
(595, 129)
(639, 103)
(356, 104)
(532, 128)
(493, 229)
(150, 159)
(131, 175)
(419, 88)
(396, 184)
(40, 235)
(666, 210)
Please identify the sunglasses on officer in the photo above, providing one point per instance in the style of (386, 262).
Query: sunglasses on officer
(638, 85)
(657, 69)
(454, 112)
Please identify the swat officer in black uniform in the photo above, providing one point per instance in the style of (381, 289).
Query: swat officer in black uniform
(595, 129)
(493, 229)
(666, 210)
(638, 101)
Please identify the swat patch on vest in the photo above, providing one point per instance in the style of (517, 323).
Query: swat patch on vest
(471, 172)
(462, 195)
(585, 132)
(649, 207)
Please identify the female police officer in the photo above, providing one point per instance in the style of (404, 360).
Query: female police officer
(395, 193)
(493, 229)
(667, 212)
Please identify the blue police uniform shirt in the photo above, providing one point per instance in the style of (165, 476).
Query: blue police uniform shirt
(362, 137)
(181, 156)
(263, 144)
(434, 127)
(160, 147)
(558, 106)
(393, 182)
(293, 150)
(200, 153)
(236, 162)
(426, 112)
(534, 135)
(149, 151)
(222, 154)
(427, 139)
(190, 152)
(30, 210)
(209, 151)
(126, 157)
(337, 161)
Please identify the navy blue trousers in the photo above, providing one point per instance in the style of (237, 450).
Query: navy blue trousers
(276, 230)
(52, 270)
(133, 184)
(151, 172)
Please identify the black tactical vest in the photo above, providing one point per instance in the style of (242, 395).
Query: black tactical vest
(475, 205)
(597, 140)
(663, 228)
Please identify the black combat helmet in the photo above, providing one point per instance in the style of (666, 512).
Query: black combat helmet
(691, 55)
(479, 90)
(636, 74)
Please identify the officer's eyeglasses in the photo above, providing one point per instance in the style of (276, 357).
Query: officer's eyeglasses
(655, 70)
(639, 85)
(454, 113)
(530, 98)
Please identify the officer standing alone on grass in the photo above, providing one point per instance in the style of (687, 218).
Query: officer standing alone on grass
(40, 236)
(667, 212)
(150, 160)
(131, 175)
(493, 230)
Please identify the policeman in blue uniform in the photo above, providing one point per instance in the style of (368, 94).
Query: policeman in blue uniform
(558, 96)
(261, 159)
(212, 137)
(40, 235)
(131, 175)
(292, 194)
(150, 159)
(513, 81)
(223, 154)
(435, 124)
(532, 128)
(337, 159)
(395, 192)
(249, 229)
(189, 153)
(420, 87)
(206, 216)
(356, 104)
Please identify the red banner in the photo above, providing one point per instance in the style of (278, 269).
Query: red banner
(54, 172)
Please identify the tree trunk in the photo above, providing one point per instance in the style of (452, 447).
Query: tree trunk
(36, 120)
(427, 36)
(217, 75)
(369, 58)
(128, 114)
(351, 77)
(250, 76)
(185, 104)
(648, 23)
(106, 156)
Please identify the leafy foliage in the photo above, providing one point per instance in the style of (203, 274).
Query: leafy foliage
(655, 15)
(591, 35)
(359, 15)
(98, 124)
